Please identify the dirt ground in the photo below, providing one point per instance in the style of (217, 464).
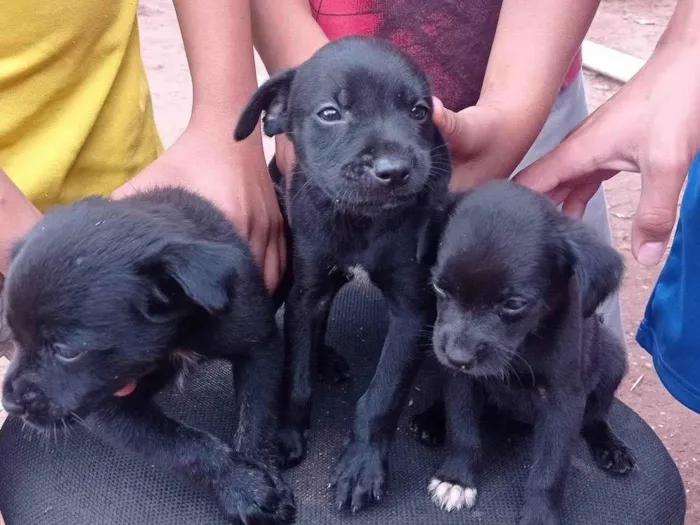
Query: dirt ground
(632, 26)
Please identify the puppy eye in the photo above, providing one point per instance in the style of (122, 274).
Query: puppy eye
(66, 354)
(442, 294)
(419, 112)
(330, 114)
(514, 306)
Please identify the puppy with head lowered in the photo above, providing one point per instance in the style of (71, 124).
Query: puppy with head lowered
(110, 301)
(370, 166)
(518, 284)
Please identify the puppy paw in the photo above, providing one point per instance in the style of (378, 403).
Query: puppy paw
(539, 514)
(429, 426)
(610, 452)
(449, 496)
(359, 477)
(332, 367)
(251, 493)
(292, 445)
(616, 458)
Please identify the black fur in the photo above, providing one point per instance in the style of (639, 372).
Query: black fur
(104, 293)
(370, 167)
(517, 285)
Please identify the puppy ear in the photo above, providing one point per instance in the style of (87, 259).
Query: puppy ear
(270, 98)
(203, 271)
(598, 267)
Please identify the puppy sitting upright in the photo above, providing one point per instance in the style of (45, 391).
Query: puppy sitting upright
(518, 284)
(370, 166)
(109, 301)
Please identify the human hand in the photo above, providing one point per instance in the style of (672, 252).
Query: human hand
(652, 127)
(17, 216)
(232, 176)
(284, 155)
(485, 142)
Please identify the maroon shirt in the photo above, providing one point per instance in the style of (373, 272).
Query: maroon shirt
(450, 39)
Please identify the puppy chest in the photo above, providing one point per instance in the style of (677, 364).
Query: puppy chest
(519, 403)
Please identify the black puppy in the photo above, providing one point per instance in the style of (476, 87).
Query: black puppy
(370, 166)
(121, 297)
(518, 284)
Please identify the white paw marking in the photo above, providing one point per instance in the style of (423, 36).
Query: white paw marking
(451, 497)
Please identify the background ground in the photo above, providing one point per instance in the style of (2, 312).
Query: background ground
(632, 26)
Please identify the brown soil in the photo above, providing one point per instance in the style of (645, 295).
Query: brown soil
(632, 26)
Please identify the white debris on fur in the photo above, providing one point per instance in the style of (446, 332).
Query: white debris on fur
(451, 497)
(186, 361)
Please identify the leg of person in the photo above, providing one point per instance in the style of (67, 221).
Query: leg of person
(569, 110)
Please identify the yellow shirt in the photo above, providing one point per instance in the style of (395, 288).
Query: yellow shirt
(76, 117)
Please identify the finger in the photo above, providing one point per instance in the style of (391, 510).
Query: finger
(271, 266)
(580, 158)
(282, 248)
(577, 200)
(258, 241)
(656, 213)
(447, 122)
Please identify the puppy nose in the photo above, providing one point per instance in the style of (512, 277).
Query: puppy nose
(392, 171)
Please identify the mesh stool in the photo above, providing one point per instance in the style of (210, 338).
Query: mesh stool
(79, 481)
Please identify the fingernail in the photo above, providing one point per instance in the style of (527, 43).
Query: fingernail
(650, 253)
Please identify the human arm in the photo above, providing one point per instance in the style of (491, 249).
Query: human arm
(285, 35)
(534, 46)
(219, 46)
(17, 216)
(651, 126)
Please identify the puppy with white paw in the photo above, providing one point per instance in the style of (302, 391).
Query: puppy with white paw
(518, 284)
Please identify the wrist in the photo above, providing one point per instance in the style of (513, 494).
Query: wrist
(516, 123)
(216, 116)
(205, 138)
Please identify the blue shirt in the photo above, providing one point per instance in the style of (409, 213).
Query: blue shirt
(670, 330)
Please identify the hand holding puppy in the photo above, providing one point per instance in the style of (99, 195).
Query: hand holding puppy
(235, 179)
(651, 127)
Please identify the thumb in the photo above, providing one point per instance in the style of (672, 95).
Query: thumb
(468, 132)
(656, 213)
(446, 121)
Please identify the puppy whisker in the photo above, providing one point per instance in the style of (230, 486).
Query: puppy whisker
(527, 365)
(438, 147)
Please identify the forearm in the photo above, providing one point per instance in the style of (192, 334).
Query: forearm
(17, 215)
(219, 46)
(534, 45)
(683, 27)
(285, 32)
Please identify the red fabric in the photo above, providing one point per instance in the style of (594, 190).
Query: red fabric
(576, 66)
(450, 39)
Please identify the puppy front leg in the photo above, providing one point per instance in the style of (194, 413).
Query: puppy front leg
(557, 428)
(360, 475)
(247, 491)
(305, 317)
(258, 385)
(453, 486)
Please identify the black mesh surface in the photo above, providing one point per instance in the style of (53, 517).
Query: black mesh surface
(78, 481)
